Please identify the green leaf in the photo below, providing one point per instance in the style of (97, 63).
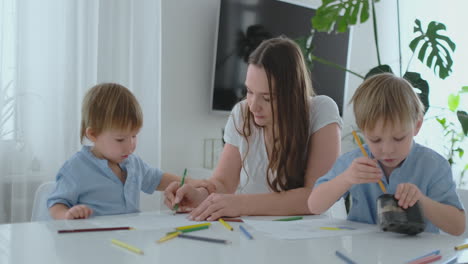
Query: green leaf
(441, 121)
(417, 82)
(463, 118)
(464, 89)
(341, 14)
(453, 102)
(379, 69)
(435, 49)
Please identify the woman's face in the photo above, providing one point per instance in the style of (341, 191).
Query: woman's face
(258, 95)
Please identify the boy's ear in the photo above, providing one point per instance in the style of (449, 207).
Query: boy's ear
(418, 126)
(90, 134)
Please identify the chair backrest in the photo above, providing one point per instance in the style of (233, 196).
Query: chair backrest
(40, 212)
(463, 194)
(338, 210)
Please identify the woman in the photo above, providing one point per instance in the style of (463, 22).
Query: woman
(279, 141)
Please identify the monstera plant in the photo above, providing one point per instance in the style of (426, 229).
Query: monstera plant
(429, 45)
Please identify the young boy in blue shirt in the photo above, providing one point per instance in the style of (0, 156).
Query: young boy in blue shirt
(390, 114)
(106, 178)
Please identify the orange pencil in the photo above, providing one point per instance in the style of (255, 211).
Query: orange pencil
(358, 141)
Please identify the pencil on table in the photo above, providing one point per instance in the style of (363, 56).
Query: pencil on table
(358, 141)
(225, 224)
(127, 246)
(170, 236)
(94, 229)
(206, 239)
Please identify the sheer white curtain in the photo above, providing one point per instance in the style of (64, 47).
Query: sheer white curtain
(61, 48)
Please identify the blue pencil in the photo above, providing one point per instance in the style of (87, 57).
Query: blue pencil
(345, 258)
(435, 252)
(246, 233)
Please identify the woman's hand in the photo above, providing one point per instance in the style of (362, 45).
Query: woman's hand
(362, 170)
(80, 211)
(218, 205)
(407, 194)
(187, 196)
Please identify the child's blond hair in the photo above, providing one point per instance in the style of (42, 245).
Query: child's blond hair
(110, 106)
(388, 97)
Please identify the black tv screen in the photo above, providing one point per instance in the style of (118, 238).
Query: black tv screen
(242, 26)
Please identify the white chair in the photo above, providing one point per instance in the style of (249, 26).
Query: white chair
(463, 194)
(40, 212)
(338, 210)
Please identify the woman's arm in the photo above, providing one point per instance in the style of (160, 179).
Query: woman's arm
(324, 148)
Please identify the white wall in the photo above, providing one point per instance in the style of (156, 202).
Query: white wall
(362, 57)
(188, 49)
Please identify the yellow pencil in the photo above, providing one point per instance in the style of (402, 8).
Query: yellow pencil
(330, 228)
(225, 224)
(192, 226)
(170, 236)
(358, 141)
(461, 247)
(127, 246)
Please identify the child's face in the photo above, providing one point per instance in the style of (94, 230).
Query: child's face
(115, 145)
(258, 95)
(392, 143)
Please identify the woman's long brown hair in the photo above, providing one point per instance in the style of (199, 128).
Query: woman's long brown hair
(283, 62)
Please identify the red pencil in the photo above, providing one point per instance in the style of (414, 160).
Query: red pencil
(94, 229)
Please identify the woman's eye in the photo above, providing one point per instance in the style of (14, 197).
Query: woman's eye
(119, 140)
(399, 139)
(267, 99)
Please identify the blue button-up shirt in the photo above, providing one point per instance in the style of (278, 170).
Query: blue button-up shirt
(86, 179)
(423, 167)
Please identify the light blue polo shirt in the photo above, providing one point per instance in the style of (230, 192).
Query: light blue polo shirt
(423, 167)
(85, 179)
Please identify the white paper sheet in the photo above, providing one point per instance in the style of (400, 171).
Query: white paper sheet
(310, 228)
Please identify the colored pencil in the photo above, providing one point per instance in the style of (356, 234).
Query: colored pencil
(461, 247)
(206, 239)
(225, 224)
(180, 228)
(176, 206)
(233, 220)
(94, 229)
(435, 252)
(358, 141)
(246, 233)
(293, 218)
(127, 246)
(426, 260)
(188, 230)
(345, 258)
(330, 228)
(170, 236)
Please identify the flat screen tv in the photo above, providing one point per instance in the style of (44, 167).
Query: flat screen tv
(242, 24)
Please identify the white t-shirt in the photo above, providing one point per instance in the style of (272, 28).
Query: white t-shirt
(323, 111)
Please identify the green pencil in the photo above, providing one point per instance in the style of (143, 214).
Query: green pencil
(176, 206)
(289, 218)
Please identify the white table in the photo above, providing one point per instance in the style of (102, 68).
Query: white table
(39, 242)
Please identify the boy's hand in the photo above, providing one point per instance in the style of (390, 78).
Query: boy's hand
(80, 211)
(187, 196)
(407, 195)
(362, 170)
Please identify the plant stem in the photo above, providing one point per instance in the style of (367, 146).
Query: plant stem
(334, 65)
(376, 38)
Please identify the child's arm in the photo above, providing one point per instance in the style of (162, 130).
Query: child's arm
(446, 217)
(361, 170)
(61, 211)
